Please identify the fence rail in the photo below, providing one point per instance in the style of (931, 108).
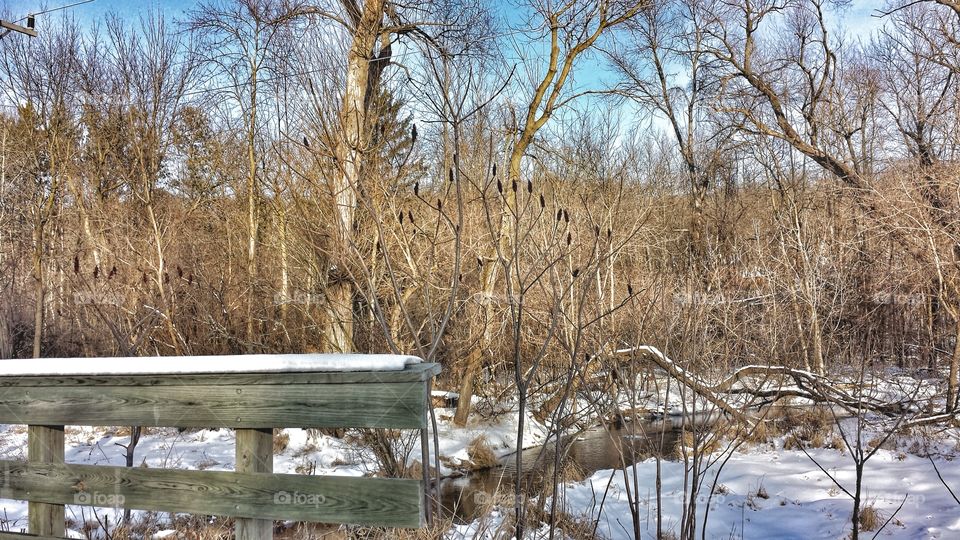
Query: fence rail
(251, 403)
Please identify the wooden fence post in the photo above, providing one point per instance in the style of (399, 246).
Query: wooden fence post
(45, 444)
(254, 454)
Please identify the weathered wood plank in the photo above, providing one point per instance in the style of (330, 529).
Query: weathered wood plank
(27, 536)
(386, 502)
(45, 444)
(385, 405)
(254, 454)
(413, 373)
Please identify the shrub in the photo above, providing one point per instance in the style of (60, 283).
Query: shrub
(869, 518)
(481, 455)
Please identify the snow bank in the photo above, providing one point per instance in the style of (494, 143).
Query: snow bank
(166, 365)
(797, 501)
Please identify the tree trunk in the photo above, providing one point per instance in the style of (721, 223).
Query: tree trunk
(489, 281)
(954, 369)
(38, 278)
(252, 210)
(475, 358)
(361, 75)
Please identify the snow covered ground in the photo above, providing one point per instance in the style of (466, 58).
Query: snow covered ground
(765, 491)
(797, 500)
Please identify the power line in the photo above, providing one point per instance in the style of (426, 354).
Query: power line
(30, 18)
(51, 10)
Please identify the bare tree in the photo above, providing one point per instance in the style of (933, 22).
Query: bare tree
(572, 31)
(238, 39)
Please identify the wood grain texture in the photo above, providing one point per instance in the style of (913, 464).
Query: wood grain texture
(385, 502)
(254, 454)
(380, 405)
(413, 373)
(45, 444)
(27, 536)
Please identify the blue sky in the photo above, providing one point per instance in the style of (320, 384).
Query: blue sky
(857, 18)
(856, 22)
(98, 9)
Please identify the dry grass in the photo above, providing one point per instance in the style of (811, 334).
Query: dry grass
(869, 518)
(436, 531)
(192, 527)
(572, 472)
(805, 428)
(759, 434)
(481, 455)
(415, 470)
(281, 440)
(706, 443)
(837, 443)
(567, 525)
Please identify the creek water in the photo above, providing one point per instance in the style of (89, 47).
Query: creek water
(613, 447)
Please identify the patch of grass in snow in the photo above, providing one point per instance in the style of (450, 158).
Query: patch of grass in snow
(805, 427)
(481, 454)
(281, 440)
(869, 518)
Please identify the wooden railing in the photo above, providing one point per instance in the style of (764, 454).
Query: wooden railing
(251, 403)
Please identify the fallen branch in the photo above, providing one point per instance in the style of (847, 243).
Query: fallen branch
(755, 381)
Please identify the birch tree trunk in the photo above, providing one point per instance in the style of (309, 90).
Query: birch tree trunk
(252, 210)
(362, 74)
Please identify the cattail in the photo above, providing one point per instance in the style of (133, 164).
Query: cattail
(113, 272)
(559, 214)
(596, 231)
(413, 134)
(529, 186)
(569, 238)
(410, 215)
(609, 233)
(576, 272)
(416, 188)
(566, 215)
(543, 202)
(499, 186)
(144, 277)
(494, 169)
(76, 264)
(400, 217)
(451, 175)
(166, 277)
(513, 184)
(96, 271)
(179, 272)
(306, 143)
(629, 289)
(439, 205)
(190, 279)
(479, 262)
